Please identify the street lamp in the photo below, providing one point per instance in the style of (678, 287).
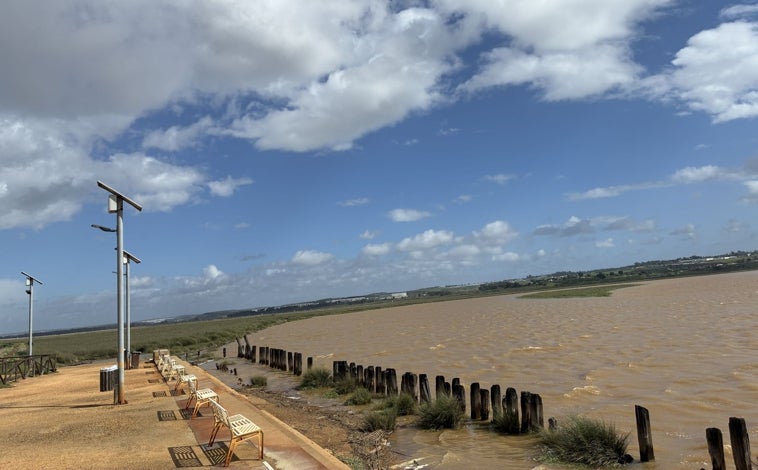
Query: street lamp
(127, 258)
(30, 290)
(116, 205)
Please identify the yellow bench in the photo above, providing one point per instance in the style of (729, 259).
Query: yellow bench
(240, 428)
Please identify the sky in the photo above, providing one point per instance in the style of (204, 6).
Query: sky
(285, 151)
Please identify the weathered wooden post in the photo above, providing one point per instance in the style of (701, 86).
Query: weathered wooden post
(379, 375)
(247, 348)
(240, 348)
(409, 385)
(526, 417)
(536, 421)
(298, 370)
(423, 386)
(391, 381)
(290, 361)
(339, 370)
(359, 373)
(496, 399)
(552, 424)
(484, 403)
(740, 443)
(368, 379)
(716, 448)
(253, 354)
(459, 392)
(310, 362)
(439, 386)
(510, 408)
(644, 435)
(476, 401)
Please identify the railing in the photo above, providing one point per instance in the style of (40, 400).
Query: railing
(11, 368)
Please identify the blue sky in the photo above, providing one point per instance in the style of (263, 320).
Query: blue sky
(292, 150)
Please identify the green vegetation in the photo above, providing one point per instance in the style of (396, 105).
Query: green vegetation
(444, 412)
(345, 385)
(376, 420)
(258, 381)
(361, 396)
(583, 441)
(316, 378)
(403, 404)
(596, 291)
(506, 423)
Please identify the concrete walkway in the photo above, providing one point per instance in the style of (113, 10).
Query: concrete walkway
(62, 421)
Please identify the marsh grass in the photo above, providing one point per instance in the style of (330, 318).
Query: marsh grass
(595, 291)
(258, 381)
(443, 413)
(583, 441)
(382, 419)
(361, 396)
(316, 378)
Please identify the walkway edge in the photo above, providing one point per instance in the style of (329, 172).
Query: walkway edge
(314, 450)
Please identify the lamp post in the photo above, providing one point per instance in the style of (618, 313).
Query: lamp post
(116, 205)
(127, 258)
(30, 290)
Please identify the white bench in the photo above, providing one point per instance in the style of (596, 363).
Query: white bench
(201, 396)
(240, 428)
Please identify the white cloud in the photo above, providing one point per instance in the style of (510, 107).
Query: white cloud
(509, 257)
(377, 249)
(739, 11)
(212, 272)
(717, 72)
(311, 258)
(227, 186)
(686, 232)
(368, 235)
(696, 174)
(497, 233)
(427, 240)
(407, 215)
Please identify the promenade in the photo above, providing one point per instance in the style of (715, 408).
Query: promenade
(62, 421)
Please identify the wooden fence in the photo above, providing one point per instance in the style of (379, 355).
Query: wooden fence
(13, 368)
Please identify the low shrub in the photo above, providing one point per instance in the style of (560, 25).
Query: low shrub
(583, 441)
(403, 404)
(360, 396)
(376, 420)
(444, 412)
(345, 385)
(316, 378)
(258, 381)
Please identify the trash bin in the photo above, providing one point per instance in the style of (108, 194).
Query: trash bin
(135, 359)
(108, 378)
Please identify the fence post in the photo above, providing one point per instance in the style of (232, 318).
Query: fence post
(496, 397)
(476, 401)
(716, 448)
(644, 436)
(423, 387)
(740, 443)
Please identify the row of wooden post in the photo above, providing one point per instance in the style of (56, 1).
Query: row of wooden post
(384, 382)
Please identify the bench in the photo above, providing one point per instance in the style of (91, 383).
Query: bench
(240, 428)
(183, 380)
(201, 396)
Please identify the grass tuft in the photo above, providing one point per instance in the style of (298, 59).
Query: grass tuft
(316, 378)
(258, 381)
(376, 420)
(583, 441)
(360, 396)
(444, 412)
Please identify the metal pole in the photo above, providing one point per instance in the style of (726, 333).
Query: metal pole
(31, 294)
(120, 296)
(128, 313)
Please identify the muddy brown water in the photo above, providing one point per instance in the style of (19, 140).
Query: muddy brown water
(684, 348)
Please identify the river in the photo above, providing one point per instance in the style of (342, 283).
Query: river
(683, 348)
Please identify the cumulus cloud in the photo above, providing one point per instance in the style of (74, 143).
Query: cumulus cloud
(497, 233)
(426, 240)
(361, 201)
(377, 249)
(177, 138)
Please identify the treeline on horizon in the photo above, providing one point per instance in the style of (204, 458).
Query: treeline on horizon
(640, 271)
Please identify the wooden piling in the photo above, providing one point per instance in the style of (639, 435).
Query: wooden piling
(738, 436)
(476, 401)
(390, 378)
(526, 418)
(716, 448)
(644, 435)
(484, 404)
(496, 400)
(439, 386)
(380, 388)
(310, 362)
(510, 409)
(423, 386)
(298, 369)
(459, 392)
(536, 421)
